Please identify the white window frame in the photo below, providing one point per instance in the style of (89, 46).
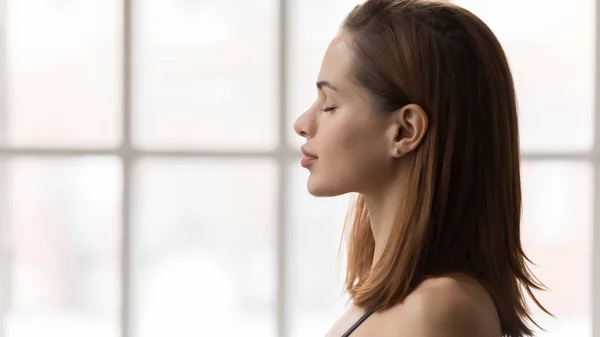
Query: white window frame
(281, 155)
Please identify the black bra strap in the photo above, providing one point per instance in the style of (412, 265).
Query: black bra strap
(358, 323)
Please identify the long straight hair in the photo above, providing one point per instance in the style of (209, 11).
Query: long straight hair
(462, 212)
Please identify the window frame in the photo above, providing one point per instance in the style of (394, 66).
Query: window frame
(282, 155)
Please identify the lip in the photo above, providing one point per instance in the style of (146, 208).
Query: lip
(308, 159)
(308, 153)
(306, 162)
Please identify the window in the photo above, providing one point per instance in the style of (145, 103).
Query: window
(149, 177)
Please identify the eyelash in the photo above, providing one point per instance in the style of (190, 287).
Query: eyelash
(328, 109)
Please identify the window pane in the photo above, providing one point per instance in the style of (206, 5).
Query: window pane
(64, 73)
(553, 66)
(315, 275)
(205, 74)
(307, 42)
(557, 235)
(204, 248)
(64, 223)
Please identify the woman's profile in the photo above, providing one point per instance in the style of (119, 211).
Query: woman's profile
(416, 114)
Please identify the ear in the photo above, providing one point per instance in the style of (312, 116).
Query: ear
(409, 126)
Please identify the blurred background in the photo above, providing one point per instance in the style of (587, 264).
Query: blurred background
(149, 175)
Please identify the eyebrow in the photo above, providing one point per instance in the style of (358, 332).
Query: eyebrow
(322, 84)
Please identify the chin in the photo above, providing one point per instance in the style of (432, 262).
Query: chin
(327, 188)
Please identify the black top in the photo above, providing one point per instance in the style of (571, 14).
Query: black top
(358, 323)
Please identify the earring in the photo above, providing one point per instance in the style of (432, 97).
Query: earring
(397, 151)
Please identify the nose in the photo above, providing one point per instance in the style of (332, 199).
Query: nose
(304, 125)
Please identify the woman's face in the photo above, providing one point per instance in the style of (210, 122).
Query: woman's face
(348, 143)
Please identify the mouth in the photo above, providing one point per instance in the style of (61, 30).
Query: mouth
(308, 159)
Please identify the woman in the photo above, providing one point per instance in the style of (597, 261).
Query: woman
(416, 113)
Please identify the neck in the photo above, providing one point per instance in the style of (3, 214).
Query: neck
(383, 208)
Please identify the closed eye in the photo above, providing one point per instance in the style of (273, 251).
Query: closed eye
(328, 109)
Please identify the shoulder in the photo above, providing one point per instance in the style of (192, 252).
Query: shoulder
(448, 307)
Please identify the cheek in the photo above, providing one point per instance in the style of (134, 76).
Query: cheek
(354, 156)
(363, 144)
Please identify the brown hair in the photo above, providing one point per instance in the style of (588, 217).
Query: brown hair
(463, 209)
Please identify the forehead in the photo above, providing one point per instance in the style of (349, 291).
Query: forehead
(335, 67)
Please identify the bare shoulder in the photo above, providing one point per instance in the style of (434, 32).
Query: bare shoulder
(447, 307)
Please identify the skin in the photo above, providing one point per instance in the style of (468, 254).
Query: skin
(362, 150)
